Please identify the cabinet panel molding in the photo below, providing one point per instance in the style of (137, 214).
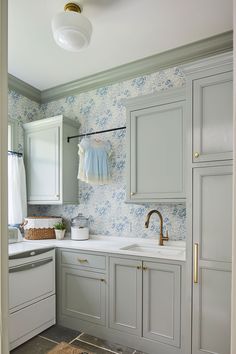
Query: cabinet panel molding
(212, 231)
(125, 295)
(213, 117)
(84, 295)
(156, 137)
(162, 303)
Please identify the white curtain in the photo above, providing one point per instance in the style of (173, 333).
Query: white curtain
(17, 201)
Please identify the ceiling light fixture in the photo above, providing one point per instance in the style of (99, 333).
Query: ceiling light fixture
(71, 30)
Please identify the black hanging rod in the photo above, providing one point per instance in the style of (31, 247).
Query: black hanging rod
(93, 133)
(10, 152)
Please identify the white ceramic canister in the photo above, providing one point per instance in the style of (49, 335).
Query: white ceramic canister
(79, 228)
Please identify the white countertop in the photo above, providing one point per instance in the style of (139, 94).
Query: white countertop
(173, 250)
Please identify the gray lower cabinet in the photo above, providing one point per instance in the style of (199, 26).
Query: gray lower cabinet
(83, 295)
(162, 302)
(212, 236)
(82, 287)
(145, 299)
(156, 147)
(126, 295)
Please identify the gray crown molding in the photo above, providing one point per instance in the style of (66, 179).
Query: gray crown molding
(178, 56)
(23, 88)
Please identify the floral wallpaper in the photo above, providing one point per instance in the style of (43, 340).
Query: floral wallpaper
(103, 109)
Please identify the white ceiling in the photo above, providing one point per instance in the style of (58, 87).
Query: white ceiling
(123, 31)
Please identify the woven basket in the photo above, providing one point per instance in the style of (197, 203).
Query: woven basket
(43, 229)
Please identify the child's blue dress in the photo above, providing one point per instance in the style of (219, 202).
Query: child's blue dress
(94, 161)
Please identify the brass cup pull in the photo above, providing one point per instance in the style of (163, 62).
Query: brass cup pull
(196, 155)
(195, 275)
(82, 261)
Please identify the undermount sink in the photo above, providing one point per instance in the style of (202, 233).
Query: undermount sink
(163, 251)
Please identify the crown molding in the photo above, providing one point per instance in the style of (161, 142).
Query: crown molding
(217, 44)
(23, 88)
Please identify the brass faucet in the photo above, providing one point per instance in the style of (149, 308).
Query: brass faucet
(162, 238)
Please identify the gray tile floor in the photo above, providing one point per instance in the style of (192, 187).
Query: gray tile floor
(44, 342)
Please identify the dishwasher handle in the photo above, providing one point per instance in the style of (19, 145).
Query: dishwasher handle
(29, 266)
(28, 254)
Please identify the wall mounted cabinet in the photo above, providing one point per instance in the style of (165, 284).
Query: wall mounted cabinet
(210, 105)
(213, 117)
(156, 147)
(51, 162)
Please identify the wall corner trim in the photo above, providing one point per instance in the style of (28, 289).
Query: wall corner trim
(204, 48)
(24, 89)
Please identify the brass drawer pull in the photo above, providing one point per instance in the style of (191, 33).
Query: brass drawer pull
(103, 280)
(195, 276)
(82, 261)
(196, 155)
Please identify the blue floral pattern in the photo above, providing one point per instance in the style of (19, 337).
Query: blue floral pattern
(103, 108)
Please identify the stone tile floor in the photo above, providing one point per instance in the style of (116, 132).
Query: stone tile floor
(46, 340)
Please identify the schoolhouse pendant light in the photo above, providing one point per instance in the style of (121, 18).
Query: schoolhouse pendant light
(71, 30)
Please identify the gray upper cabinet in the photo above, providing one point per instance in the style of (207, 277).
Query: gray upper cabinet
(210, 104)
(213, 117)
(51, 162)
(156, 147)
(212, 236)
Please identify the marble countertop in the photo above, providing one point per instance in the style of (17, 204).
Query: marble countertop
(172, 250)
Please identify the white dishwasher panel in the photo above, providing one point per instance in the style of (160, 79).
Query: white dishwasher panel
(28, 322)
(31, 280)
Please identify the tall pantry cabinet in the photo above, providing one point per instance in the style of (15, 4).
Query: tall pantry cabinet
(210, 104)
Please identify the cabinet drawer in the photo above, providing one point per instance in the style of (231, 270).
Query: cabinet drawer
(84, 260)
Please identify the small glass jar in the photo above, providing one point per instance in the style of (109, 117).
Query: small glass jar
(80, 228)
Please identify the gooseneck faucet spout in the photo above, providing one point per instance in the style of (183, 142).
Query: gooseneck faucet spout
(162, 238)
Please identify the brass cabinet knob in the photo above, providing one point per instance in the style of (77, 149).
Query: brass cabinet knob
(103, 280)
(145, 268)
(139, 267)
(196, 154)
(132, 193)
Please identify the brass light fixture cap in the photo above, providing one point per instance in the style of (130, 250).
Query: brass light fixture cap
(71, 6)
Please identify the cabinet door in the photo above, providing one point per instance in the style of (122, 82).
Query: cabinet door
(83, 295)
(213, 118)
(125, 295)
(43, 165)
(162, 303)
(212, 233)
(157, 138)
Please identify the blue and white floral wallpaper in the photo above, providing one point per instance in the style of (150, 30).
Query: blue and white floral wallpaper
(103, 109)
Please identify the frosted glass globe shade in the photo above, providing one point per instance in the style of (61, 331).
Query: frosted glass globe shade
(71, 30)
